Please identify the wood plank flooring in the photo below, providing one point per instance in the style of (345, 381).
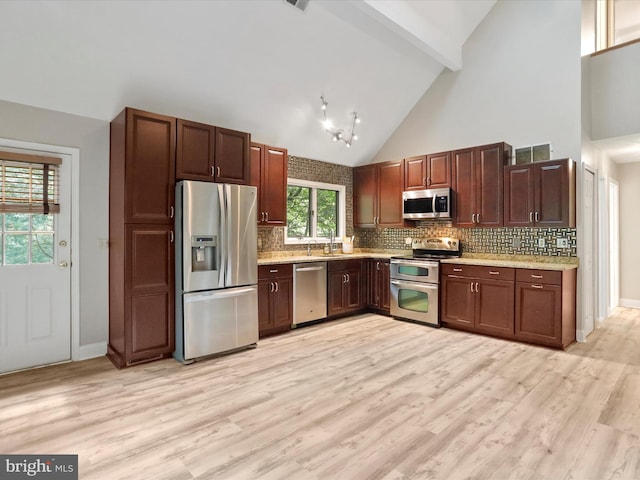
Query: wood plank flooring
(367, 397)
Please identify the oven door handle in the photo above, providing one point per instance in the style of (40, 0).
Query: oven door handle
(415, 263)
(417, 285)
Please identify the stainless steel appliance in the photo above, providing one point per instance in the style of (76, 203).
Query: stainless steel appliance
(415, 280)
(216, 269)
(309, 292)
(432, 203)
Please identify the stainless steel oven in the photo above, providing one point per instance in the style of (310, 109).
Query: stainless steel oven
(415, 280)
(414, 290)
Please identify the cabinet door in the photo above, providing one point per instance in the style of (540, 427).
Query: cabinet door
(457, 302)
(282, 306)
(538, 316)
(384, 286)
(365, 196)
(273, 195)
(494, 313)
(335, 292)
(150, 167)
(439, 170)
(195, 151)
(232, 158)
(390, 181)
(353, 290)
(518, 196)
(553, 184)
(149, 287)
(265, 319)
(490, 162)
(415, 173)
(464, 186)
(254, 180)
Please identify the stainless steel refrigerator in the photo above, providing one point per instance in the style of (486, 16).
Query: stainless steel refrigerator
(216, 269)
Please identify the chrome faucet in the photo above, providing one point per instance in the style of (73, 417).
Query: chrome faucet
(309, 246)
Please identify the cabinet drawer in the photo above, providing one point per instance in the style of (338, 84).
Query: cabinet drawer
(271, 271)
(343, 265)
(478, 271)
(549, 277)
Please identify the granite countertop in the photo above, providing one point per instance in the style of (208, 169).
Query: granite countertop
(299, 256)
(517, 261)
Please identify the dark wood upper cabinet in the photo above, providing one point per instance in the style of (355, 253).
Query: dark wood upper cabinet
(477, 181)
(149, 166)
(195, 151)
(378, 195)
(269, 167)
(540, 194)
(415, 173)
(212, 154)
(427, 171)
(232, 157)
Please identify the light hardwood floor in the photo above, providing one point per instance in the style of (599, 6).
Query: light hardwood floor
(364, 398)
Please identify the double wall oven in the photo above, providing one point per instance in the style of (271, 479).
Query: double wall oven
(415, 280)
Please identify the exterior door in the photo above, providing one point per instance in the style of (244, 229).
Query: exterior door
(35, 282)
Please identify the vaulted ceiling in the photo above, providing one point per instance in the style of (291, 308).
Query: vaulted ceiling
(257, 66)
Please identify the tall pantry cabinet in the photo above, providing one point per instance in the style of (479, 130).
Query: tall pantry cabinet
(141, 250)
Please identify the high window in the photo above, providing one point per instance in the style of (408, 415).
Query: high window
(314, 211)
(617, 22)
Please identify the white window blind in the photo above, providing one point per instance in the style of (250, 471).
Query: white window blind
(29, 183)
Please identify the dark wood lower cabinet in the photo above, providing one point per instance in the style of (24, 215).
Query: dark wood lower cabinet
(275, 299)
(345, 287)
(378, 293)
(534, 306)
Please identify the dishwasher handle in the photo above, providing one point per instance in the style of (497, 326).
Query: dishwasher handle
(309, 269)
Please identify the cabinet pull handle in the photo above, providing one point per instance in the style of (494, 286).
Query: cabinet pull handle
(424, 181)
(537, 217)
(171, 211)
(491, 272)
(266, 216)
(348, 278)
(277, 286)
(530, 217)
(477, 218)
(271, 287)
(471, 287)
(218, 170)
(273, 271)
(171, 238)
(262, 216)
(344, 278)
(476, 287)
(537, 276)
(213, 173)
(457, 269)
(537, 286)
(377, 265)
(428, 181)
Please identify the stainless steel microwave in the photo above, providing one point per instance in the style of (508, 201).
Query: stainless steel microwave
(431, 203)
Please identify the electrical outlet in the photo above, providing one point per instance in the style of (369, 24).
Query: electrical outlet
(516, 242)
(407, 241)
(542, 243)
(562, 243)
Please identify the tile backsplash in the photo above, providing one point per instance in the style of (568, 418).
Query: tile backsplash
(505, 241)
(501, 241)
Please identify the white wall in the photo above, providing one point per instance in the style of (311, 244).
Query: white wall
(21, 122)
(520, 83)
(615, 93)
(629, 188)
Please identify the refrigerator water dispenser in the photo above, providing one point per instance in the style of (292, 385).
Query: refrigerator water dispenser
(203, 253)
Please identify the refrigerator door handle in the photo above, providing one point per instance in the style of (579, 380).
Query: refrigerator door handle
(222, 293)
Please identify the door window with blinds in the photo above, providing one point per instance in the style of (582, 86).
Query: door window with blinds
(29, 198)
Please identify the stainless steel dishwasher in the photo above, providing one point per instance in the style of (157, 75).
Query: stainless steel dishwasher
(309, 292)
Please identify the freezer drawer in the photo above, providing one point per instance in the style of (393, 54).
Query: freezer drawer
(219, 320)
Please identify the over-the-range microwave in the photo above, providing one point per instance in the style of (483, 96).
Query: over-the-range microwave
(431, 203)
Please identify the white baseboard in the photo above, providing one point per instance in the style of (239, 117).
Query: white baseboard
(629, 303)
(93, 350)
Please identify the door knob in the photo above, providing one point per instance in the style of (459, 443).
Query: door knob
(63, 264)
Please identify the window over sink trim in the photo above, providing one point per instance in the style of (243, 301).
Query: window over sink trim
(341, 212)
